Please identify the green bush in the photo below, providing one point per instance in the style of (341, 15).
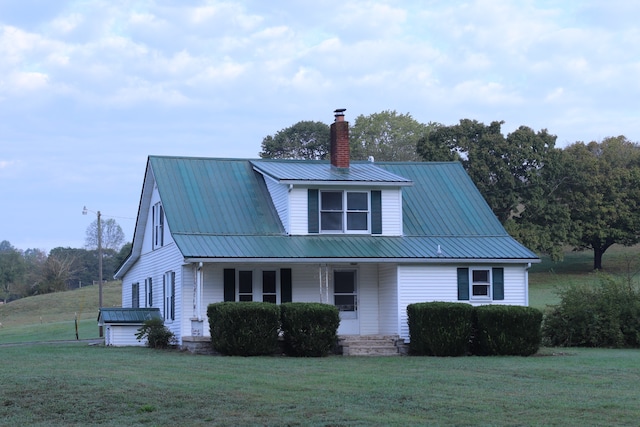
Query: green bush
(309, 329)
(607, 315)
(506, 330)
(439, 328)
(244, 328)
(156, 334)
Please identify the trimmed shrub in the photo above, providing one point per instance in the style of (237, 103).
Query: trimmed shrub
(439, 328)
(244, 328)
(309, 329)
(156, 334)
(506, 330)
(607, 315)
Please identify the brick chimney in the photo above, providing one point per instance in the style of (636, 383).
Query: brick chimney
(340, 141)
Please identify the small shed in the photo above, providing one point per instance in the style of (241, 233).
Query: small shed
(121, 324)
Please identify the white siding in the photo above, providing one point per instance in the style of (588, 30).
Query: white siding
(280, 197)
(154, 264)
(122, 335)
(388, 299)
(368, 299)
(421, 283)
(391, 212)
(298, 211)
(147, 242)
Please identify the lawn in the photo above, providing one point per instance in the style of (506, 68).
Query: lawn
(77, 384)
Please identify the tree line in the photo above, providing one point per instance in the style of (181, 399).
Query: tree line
(32, 271)
(585, 195)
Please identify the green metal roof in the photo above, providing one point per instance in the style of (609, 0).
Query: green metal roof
(221, 209)
(309, 170)
(127, 315)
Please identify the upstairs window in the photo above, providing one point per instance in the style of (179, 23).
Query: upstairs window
(158, 226)
(344, 212)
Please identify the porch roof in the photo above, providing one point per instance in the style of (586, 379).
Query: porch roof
(353, 248)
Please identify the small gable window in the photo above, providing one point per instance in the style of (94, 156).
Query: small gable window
(344, 212)
(158, 226)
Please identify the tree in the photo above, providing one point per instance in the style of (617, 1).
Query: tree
(112, 235)
(502, 168)
(304, 140)
(35, 260)
(386, 136)
(602, 193)
(12, 270)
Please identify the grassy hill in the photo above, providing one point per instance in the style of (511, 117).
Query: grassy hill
(51, 316)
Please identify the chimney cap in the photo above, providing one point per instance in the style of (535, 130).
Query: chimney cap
(340, 111)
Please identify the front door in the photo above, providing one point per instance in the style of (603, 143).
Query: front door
(345, 297)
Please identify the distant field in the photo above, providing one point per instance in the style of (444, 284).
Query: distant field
(52, 316)
(577, 269)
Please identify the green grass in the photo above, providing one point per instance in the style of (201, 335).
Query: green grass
(52, 316)
(76, 384)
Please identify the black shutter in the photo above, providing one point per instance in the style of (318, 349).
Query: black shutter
(376, 212)
(173, 295)
(463, 284)
(313, 211)
(498, 283)
(286, 285)
(229, 284)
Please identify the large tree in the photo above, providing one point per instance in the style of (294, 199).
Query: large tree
(386, 136)
(602, 192)
(304, 140)
(501, 167)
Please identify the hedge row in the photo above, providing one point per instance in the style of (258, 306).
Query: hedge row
(457, 329)
(607, 315)
(252, 328)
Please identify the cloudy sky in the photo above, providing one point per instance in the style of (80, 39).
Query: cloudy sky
(90, 88)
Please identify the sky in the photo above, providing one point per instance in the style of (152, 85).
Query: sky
(90, 88)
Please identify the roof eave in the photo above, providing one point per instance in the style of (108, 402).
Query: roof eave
(439, 260)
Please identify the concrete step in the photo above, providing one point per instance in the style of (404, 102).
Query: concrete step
(371, 345)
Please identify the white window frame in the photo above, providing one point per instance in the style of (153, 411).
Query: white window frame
(169, 296)
(257, 285)
(488, 283)
(148, 291)
(344, 211)
(158, 225)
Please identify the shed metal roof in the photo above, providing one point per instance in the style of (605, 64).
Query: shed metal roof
(127, 315)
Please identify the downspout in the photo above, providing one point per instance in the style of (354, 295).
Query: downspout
(526, 284)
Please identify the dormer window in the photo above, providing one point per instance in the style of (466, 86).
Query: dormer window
(344, 212)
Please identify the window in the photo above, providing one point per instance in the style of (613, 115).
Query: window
(344, 291)
(275, 287)
(344, 211)
(169, 287)
(148, 289)
(158, 225)
(245, 286)
(135, 295)
(269, 286)
(481, 284)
